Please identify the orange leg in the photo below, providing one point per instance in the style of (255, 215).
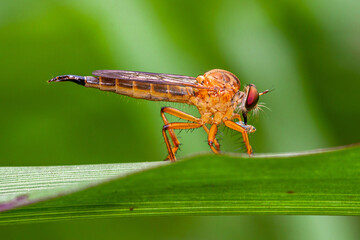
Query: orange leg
(170, 127)
(247, 127)
(211, 138)
(236, 127)
(216, 143)
(185, 116)
(179, 114)
(236, 116)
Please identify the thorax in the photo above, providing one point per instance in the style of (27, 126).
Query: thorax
(216, 102)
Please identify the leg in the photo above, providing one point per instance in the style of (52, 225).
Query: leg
(178, 125)
(236, 127)
(248, 128)
(179, 114)
(211, 138)
(216, 143)
(185, 116)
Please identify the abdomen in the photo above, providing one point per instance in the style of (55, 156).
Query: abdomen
(143, 90)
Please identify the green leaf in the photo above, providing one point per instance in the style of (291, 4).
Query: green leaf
(316, 183)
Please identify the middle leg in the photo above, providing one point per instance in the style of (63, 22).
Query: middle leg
(211, 138)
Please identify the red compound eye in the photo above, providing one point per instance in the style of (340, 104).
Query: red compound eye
(252, 97)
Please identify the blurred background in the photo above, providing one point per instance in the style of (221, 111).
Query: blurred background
(307, 51)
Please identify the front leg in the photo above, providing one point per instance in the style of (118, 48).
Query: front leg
(239, 128)
(247, 127)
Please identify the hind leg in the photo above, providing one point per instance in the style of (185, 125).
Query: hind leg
(175, 142)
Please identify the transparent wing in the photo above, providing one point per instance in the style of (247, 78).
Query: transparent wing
(156, 78)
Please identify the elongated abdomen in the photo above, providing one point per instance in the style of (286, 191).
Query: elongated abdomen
(135, 89)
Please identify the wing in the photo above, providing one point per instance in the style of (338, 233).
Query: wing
(156, 78)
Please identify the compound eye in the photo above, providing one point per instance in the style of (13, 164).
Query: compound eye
(252, 97)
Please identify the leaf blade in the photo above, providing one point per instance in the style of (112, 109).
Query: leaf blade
(321, 183)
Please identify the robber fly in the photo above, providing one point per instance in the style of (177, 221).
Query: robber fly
(216, 94)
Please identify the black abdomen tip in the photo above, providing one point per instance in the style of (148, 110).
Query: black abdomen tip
(71, 78)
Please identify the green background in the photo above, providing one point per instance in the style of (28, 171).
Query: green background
(307, 51)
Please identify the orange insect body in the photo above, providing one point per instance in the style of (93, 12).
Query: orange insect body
(216, 94)
(217, 102)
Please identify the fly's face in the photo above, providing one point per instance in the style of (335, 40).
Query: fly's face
(250, 100)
